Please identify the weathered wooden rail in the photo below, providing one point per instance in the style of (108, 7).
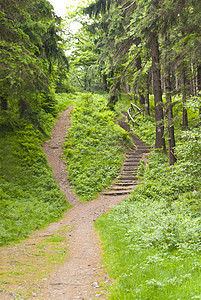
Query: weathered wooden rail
(134, 109)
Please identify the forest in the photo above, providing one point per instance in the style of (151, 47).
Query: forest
(142, 52)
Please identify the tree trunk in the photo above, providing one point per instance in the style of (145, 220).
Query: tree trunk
(139, 67)
(4, 103)
(185, 114)
(199, 83)
(85, 81)
(105, 87)
(24, 109)
(157, 91)
(171, 137)
(113, 98)
(193, 81)
(147, 110)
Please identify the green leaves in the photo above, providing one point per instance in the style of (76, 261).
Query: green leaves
(152, 239)
(29, 195)
(31, 52)
(94, 146)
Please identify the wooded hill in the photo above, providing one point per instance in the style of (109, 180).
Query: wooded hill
(32, 62)
(146, 52)
(139, 47)
(142, 48)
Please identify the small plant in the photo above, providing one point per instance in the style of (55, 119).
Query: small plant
(29, 195)
(141, 169)
(94, 146)
(152, 239)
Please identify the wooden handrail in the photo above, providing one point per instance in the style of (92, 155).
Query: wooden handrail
(134, 108)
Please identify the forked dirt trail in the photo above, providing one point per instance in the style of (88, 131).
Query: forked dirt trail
(31, 267)
(81, 276)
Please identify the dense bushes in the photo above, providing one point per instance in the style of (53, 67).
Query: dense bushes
(94, 146)
(152, 239)
(29, 195)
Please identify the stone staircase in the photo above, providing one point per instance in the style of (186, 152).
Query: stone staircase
(127, 179)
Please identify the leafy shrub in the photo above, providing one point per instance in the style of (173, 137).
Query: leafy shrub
(29, 195)
(94, 146)
(152, 240)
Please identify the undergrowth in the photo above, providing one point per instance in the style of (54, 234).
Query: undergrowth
(94, 146)
(152, 240)
(29, 196)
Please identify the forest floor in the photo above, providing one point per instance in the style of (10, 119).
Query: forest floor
(63, 261)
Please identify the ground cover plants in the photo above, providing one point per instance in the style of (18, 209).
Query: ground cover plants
(152, 240)
(29, 195)
(94, 146)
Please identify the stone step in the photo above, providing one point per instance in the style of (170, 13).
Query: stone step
(126, 183)
(143, 147)
(115, 193)
(127, 180)
(122, 187)
(129, 167)
(133, 164)
(131, 153)
(141, 151)
(131, 160)
(127, 173)
(134, 155)
(124, 177)
(131, 171)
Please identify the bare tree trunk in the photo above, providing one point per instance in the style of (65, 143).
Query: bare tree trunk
(185, 113)
(171, 136)
(157, 91)
(147, 110)
(4, 103)
(177, 82)
(128, 88)
(139, 67)
(193, 80)
(105, 87)
(199, 83)
(113, 98)
(24, 109)
(85, 81)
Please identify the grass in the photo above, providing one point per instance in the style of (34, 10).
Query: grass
(29, 196)
(94, 147)
(152, 240)
(26, 266)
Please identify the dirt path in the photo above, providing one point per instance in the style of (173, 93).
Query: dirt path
(81, 274)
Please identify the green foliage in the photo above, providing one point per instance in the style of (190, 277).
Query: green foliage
(152, 239)
(29, 195)
(146, 129)
(94, 146)
(66, 100)
(32, 58)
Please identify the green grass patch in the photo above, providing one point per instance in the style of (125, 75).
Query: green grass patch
(94, 146)
(152, 240)
(29, 195)
(65, 100)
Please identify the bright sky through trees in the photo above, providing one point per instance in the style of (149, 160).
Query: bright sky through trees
(60, 5)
